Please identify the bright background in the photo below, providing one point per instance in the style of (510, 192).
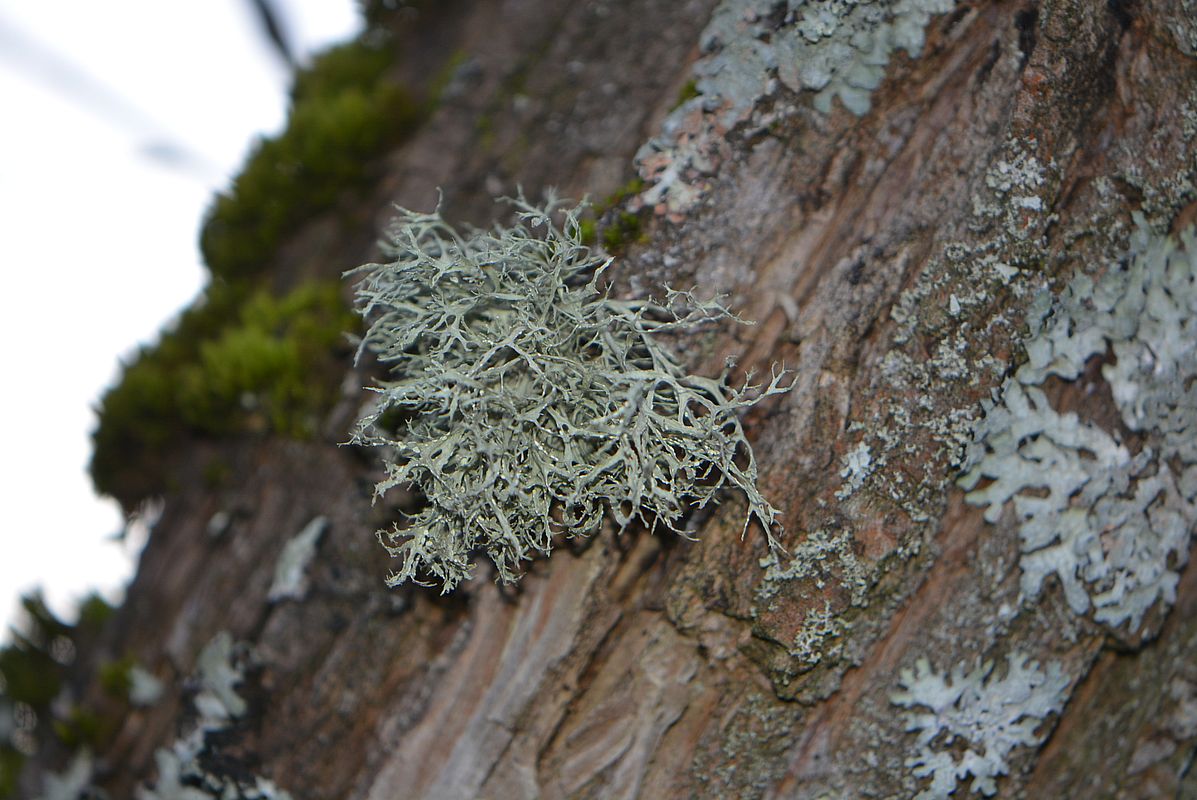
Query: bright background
(118, 122)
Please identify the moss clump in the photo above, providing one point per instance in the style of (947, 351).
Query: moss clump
(618, 230)
(535, 402)
(622, 231)
(633, 187)
(116, 677)
(39, 671)
(232, 365)
(242, 360)
(344, 112)
(688, 91)
(83, 727)
(11, 762)
(30, 675)
(587, 231)
(94, 612)
(28, 672)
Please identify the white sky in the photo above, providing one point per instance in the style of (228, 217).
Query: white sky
(98, 239)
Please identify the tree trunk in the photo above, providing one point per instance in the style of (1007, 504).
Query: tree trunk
(900, 195)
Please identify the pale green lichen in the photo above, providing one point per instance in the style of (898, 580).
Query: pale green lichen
(144, 687)
(180, 779)
(927, 391)
(290, 571)
(991, 716)
(1114, 528)
(182, 774)
(819, 560)
(818, 555)
(840, 48)
(835, 48)
(532, 402)
(217, 700)
(1017, 186)
(819, 626)
(753, 48)
(857, 466)
(71, 783)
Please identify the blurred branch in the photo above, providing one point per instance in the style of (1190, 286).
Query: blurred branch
(37, 61)
(273, 26)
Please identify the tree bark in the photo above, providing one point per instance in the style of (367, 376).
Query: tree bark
(888, 259)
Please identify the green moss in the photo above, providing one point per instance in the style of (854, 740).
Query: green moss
(10, 767)
(30, 673)
(83, 727)
(230, 366)
(617, 230)
(633, 187)
(241, 360)
(34, 666)
(94, 612)
(340, 69)
(622, 231)
(587, 232)
(445, 75)
(688, 92)
(115, 677)
(344, 112)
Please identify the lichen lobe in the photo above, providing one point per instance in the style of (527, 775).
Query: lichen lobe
(1113, 526)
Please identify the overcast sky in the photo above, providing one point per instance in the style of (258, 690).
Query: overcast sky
(120, 120)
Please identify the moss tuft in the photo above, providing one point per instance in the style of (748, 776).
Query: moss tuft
(262, 364)
(241, 360)
(116, 677)
(31, 676)
(11, 762)
(688, 91)
(344, 112)
(618, 229)
(94, 612)
(83, 727)
(622, 231)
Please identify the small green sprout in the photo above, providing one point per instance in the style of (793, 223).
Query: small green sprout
(532, 402)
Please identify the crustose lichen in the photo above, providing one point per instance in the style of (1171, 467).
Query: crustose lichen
(530, 401)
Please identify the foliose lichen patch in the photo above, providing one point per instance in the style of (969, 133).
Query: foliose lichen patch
(1112, 526)
(1184, 28)
(182, 770)
(290, 571)
(821, 561)
(991, 716)
(751, 48)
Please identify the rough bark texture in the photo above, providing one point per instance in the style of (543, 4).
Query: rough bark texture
(865, 248)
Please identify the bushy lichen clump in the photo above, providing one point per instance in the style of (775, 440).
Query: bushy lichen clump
(533, 401)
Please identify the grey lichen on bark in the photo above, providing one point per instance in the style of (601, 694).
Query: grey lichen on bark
(533, 402)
